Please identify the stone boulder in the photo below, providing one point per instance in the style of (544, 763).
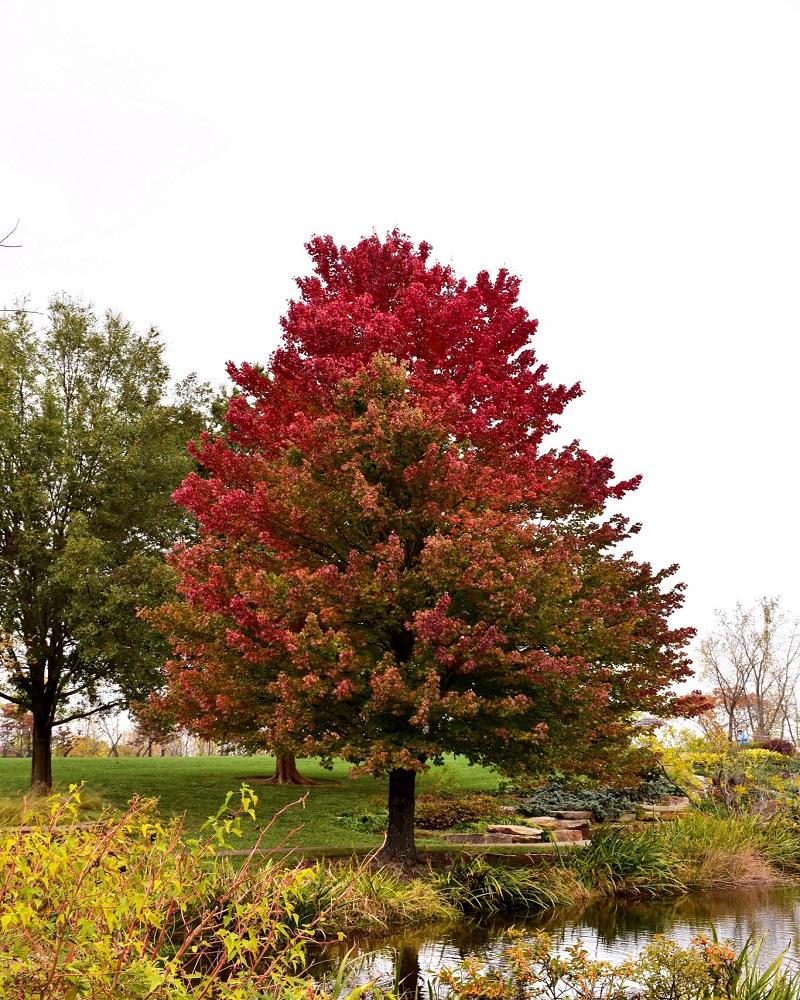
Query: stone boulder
(567, 836)
(511, 830)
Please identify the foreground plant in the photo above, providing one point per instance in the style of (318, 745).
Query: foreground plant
(133, 909)
(706, 970)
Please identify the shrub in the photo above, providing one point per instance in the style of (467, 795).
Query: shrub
(441, 812)
(133, 909)
(715, 851)
(364, 821)
(664, 970)
(335, 898)
(785, 747)
(604, 802)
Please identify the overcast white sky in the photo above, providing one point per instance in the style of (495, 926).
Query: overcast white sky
(638, 164)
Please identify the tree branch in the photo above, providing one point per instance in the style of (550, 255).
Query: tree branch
(14, 701)
(85, 715)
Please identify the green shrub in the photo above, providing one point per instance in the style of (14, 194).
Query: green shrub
(364, 821)
(443, 811)
(606, 803)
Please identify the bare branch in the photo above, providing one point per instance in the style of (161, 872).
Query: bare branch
(85, 715)
(10, 246)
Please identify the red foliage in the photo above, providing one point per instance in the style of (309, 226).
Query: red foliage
(392, 564)
(689, 706)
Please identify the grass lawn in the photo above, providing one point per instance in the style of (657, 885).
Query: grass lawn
(196, 787)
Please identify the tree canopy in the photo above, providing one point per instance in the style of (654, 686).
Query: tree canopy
(392, 563)
(91, 447)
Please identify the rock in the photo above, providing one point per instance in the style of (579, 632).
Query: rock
(545, 822)
(487, 838)
(566, 836)
(551, 823)
(654, 811)
(508, 810)
(477, 838)
(520, 832)
(678, 802)
(626, 818)
(575, 814)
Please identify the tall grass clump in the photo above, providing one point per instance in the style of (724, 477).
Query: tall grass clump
(719, 851)
(620, 863)
(474, 886)
(333, 898)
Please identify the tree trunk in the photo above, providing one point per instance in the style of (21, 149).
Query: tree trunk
(286, 772)
(42, 756)
(399, 847)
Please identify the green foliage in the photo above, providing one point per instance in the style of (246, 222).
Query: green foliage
(605, 802)
(730, 849)
(698, 851)
(712, 769)
(444, 811)
(133, 909)
(365, 821)
(91, 449)
(336, 898)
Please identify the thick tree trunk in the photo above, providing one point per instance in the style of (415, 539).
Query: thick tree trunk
(41, 756)
(286, 772)
(399, 847)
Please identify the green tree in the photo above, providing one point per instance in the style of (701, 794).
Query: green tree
(91, 447)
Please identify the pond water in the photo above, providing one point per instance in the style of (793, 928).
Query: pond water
(612, 930)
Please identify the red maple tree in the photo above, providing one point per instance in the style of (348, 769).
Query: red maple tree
(392, 562)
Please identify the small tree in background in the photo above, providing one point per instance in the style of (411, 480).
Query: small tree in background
(392, 563)
(752, 659)
(91, 448)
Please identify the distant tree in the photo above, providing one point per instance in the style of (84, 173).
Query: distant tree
(155, 724)
(15, 731)
(393, 565)
(91, 447)
(752, 660)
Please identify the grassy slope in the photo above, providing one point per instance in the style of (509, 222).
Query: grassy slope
(197, 786)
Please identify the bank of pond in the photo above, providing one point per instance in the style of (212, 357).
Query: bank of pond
(132, 908)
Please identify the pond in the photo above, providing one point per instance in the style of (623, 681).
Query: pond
(612, 930)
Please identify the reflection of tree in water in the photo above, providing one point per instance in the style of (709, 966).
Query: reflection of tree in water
(407, 979)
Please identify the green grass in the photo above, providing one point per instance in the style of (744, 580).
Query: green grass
(196, 787)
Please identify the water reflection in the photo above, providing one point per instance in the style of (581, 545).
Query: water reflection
(614, 930)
